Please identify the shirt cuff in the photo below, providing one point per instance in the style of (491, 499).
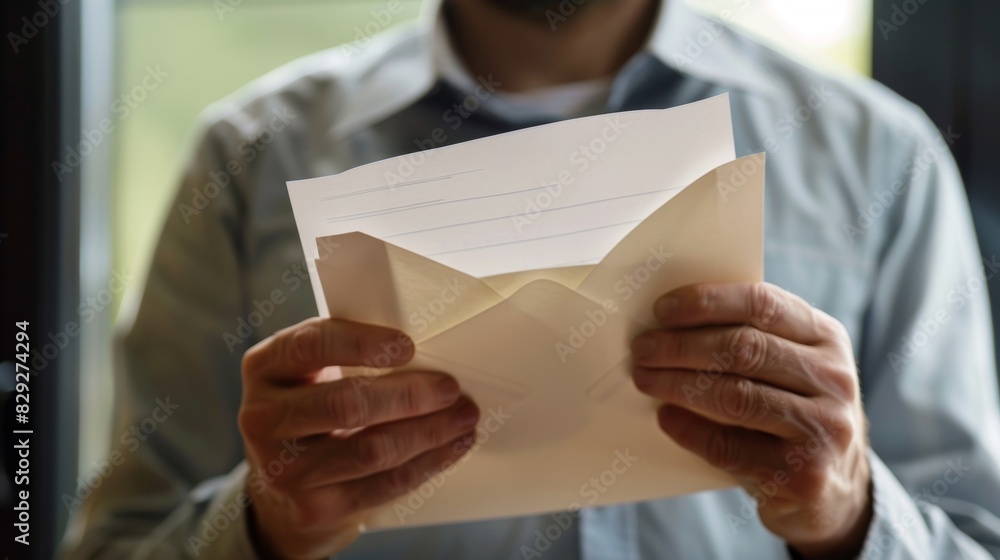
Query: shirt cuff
(897, 527)
(223, 531)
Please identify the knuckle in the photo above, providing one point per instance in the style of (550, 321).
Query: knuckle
(843, 380)
(829, 328)
(254, 359)
(748, 347)
(721, 452)
(765, 305)
(348, 405)
(736, 398)
(376, 451)
(841, 331)
(304, 346)
(255, 421)
(836, 424)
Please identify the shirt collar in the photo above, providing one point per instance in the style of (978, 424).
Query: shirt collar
(703, 47)
(399, 66)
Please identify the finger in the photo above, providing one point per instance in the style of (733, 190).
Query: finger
(298, 352)
(356, 402)
(388, 446)
(728, 399)
(738, 451)
(737, 349)
(322, 508)
(764, 306)
(375, 490)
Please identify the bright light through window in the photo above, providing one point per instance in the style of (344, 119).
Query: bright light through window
(832, 34)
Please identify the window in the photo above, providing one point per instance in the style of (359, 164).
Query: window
(173, 58)
(833, 35)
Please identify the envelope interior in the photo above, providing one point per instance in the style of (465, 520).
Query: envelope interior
(507, 284)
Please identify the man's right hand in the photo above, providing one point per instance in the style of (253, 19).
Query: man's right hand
(365, 443)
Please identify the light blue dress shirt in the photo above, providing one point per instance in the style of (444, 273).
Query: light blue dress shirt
(865, 218)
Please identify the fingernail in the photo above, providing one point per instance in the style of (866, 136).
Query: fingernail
(448, 390)
(666, 306)
(643, 347)
(467, 415)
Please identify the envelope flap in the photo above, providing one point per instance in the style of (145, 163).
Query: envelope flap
(569, 276)
(710, 232)
(368, 280)
(543, 326)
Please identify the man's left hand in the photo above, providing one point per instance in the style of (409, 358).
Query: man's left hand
(763, 385)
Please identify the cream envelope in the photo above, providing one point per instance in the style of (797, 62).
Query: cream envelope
(544, 352)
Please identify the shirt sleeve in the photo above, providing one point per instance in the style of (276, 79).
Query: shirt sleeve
(903, 527)
(176, 487)
(927, 365)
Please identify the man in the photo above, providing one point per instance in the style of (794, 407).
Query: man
(866, 224)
